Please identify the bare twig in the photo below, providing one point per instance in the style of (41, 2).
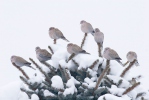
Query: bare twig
(83, 41)
(108, 72)
(99, 50)
(70, 57)
(29, 93)
(49, 66)
(104, 98)
(63, 74)
(102, 74)
(24, 80)
(51, 49)
(94, 63)
(140, 94)
(67, 74)
(75, 62)
(131, 88)
(128, 68)
(119, 82)
(40, 69)
(21, 70)
(110, 81)
(125, 63)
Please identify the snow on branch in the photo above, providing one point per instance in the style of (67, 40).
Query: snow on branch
(128, 68)
(21, 70)
(94, 63)
(102, 74)
(131, 88)
(47, 78)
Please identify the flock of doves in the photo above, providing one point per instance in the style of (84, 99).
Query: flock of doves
(43, 55)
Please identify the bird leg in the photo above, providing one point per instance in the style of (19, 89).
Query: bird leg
(99, 49)
(54, 41)
(83, 41)
(126, 63)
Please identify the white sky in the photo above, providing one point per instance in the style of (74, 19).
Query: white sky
(24, 25)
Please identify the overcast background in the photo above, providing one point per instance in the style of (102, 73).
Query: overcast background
(24, 25)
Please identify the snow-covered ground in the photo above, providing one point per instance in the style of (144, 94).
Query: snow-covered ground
(24, 25)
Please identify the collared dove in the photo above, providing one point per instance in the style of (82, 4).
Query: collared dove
(42, 54)
(131, 56)
(87, 27)
(99, 37)
(111, 54)
(73, 48)
(69, 48)
(19, 61)
(56, 34)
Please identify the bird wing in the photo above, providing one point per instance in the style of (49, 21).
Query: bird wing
(89, 26)
(44, 53)
(113, 54)
(76, 48)
(58, 33)
(21, 60)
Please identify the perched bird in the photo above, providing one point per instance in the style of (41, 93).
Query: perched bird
(56, 34)
(69, 48)
(131, 56)
(99, 37)
(87, 27)
(73, 48)
(42, 54)
(111, 54)
(19, 61)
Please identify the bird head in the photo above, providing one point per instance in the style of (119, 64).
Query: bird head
(69, 45)
(37, 48)
(12, 57)
(97, 30)
(107, 48)
(51, 28)
(83, 21)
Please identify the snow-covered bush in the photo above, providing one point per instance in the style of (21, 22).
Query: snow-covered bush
(84, 77)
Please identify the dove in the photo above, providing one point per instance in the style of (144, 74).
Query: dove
(69, 48)
(131, 56)
(87, 27)
(19, 61)
(99, 37)
(73, 48)
(55, 34)
(42, 54)
(111, 54)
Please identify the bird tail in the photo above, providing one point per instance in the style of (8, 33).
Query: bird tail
(64, 38)
(31, 67)
(93, 32)
(137, 63)
(118, 60)
(83, 51)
